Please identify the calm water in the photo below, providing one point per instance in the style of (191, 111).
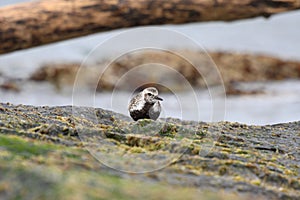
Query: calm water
(280, 103)
(279, 36)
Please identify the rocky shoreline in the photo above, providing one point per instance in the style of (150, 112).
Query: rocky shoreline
(229, 68)
(51, 148)
(215, 68)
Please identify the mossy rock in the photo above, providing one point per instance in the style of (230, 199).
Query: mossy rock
(43, 155)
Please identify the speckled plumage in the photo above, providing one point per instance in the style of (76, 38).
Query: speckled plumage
(145, 105)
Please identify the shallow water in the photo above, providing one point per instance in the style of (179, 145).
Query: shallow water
(279, 103)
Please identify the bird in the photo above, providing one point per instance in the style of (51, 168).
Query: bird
(145, 105)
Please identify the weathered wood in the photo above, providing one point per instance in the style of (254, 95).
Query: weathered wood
(41, 22)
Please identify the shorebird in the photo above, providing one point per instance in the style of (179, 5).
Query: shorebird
(145, 105)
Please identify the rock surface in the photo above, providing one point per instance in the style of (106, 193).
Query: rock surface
(46, 153)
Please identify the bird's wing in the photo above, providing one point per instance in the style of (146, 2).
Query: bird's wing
(134, 102)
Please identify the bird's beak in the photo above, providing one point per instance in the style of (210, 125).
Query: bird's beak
(158, 98)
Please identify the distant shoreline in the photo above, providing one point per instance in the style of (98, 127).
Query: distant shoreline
(233, 68)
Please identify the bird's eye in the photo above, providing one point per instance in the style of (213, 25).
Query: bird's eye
(149, 94)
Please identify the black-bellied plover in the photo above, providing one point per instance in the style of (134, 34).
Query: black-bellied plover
(145, 105)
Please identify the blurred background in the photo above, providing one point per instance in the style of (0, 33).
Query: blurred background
(259, 60)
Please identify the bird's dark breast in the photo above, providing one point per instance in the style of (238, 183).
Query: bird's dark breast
(142, 114)
(138, 114)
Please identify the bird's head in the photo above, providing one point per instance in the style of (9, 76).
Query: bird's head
(151, 95)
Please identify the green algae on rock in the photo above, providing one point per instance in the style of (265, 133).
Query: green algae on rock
(49, 145)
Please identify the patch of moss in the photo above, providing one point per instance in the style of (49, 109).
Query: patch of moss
(137, 150)
(22, 147)
(168, 130)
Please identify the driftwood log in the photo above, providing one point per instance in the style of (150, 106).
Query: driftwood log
(41, 22)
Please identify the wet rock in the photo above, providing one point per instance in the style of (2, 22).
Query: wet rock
(10, 86)
(9, 83)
